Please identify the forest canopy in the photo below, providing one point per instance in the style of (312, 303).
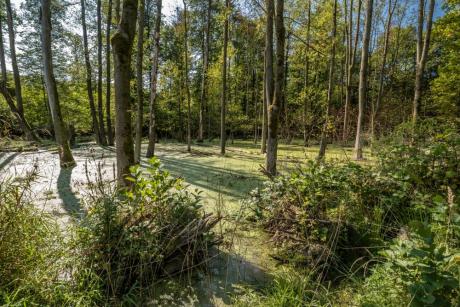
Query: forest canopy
(151, 146)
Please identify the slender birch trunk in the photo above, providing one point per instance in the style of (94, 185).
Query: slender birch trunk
(223, 105)
(363, 76)
(187, 81)
(89, 86)
(278, 96)
(139, 81)
(324, 132)
(154, 77)
(108, 94)
(99, 74)
(352, 45)
(423, 46)
(60, 131)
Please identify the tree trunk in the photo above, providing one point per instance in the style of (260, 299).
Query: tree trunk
(187, 81)
(284, 115)
(255, 100)
(14, 62)
(117, 11)
(99, 74)
(263, 143)
(4, 91)
(89, 85)
(122, 43)
(17, 79)
(275, 106)
(375, 107)
(351, 59)
(47, 106)
(223, 104)
(306, 83)
(60, 131)
(140, 82)
(108, 94)
(324, 132)
(153, 94)
(269, 82)
(422, 53)
(204, 80)
(363, 76)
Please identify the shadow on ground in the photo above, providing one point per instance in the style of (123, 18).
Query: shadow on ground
(203, 175)
(7, 160)
(70, 201)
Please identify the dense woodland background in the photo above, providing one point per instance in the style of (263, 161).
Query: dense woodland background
(308, 43)
(322, 135)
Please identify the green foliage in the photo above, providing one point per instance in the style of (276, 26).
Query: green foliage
(432, 164)
(404, 212)
(428, 260)
(383, 287)
(37, 266)
(152, 230)
(328, 213)
(288, 289)
(444, 89)
(128, 240)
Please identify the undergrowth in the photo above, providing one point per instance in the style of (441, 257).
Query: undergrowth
(37, 265)
(389, 233)
(127, 241)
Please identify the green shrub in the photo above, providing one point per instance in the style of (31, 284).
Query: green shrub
(430, 168)
(327, 214)
(384, 287)
(132, 238)
(428, 260)
(402, 212)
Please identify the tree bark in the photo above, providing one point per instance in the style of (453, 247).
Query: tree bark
(60, 131)
(99, 74)
(223, 104)
(14, 62)
(423, 46)
(306, 80)
(140, 82)
(3, 88)
(117, 11)
(330, 90)
(108, 94)
(363, 76)
(154, 74)
(350, 63)
(284, 111)
(269, 82)
(263, 143)
(89, 85)
(187, 81)
(30, 135)
(255, 100)
(204, 80)
(122, 43)
(275, 106)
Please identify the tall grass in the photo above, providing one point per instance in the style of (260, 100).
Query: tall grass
(36, 264)
(126, 242)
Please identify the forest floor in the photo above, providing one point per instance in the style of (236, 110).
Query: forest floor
(243, 260)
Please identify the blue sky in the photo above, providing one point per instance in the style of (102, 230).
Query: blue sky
(169, 6)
